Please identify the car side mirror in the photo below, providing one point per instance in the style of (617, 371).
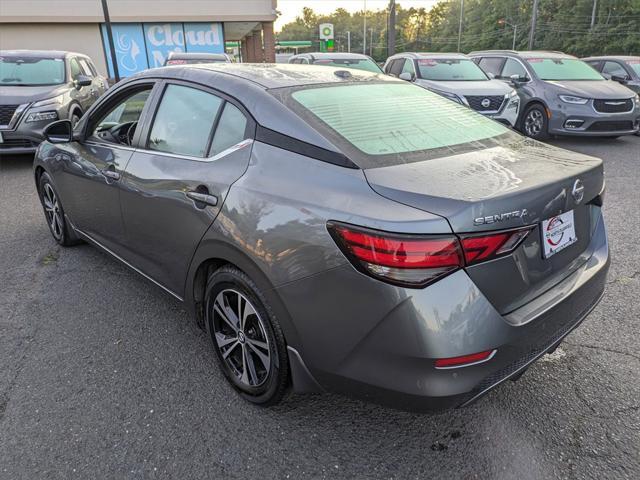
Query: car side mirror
(82, 81)
(620, 78)
(517, 80)
(59, 132)
(408, 76)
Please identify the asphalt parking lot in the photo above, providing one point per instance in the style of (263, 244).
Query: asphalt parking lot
(105, 376)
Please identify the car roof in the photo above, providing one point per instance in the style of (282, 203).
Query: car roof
(39, 53)
(188, 55)
(266, 75)
(328, 55)
(612, 57)
(249, 82)
(524, 54)
(418, 55)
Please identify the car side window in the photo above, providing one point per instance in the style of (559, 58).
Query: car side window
(596, 64)
(86, 70)
(231, 129)
(491, 65)
(184, 121)
(408, 67)
(75, 69)
(613, 68)
(124, 112)
(513, 67)
(395, 68)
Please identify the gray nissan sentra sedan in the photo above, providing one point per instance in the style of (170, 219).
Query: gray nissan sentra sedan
(335, 230)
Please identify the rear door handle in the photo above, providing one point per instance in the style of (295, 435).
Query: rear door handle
(111, 174)
(205, 198)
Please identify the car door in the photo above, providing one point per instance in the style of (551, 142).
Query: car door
(197, 144)
(93, 173)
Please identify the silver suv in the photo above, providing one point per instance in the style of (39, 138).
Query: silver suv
(39, 87)
(456, 77)
(562, 95)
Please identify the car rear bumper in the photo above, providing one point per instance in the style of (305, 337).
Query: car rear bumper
(378, 342)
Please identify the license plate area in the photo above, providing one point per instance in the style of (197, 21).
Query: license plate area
(558, 233)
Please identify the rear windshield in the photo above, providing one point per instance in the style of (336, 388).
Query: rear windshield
(381, 124)
(450, 69)
(357, 63)
(31, 71)
(563, 69)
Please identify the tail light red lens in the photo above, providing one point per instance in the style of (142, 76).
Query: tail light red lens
(412, 260)
(483, 247)
(417, 260)
(465, 360)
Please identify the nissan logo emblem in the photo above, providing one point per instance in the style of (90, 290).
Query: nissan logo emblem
(485, 102)
(578, 191)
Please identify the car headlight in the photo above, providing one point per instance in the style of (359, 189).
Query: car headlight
(40, 116)
(450, 96)
(573, 99)
(514, 100)
(50, 101)
(637, 98)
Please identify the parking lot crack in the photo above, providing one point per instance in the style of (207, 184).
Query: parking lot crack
(604, 349)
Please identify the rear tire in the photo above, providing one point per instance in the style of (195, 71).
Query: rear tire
(246, 337)
(60, 229)
(535, 123)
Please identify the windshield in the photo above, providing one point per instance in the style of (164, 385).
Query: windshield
(450, 69)
(563, 69)
(389, 123)
(31, 71)
(634, 64)
(357, 63)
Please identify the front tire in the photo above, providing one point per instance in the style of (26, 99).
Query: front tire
(246, 337)
(60, 229)
(535, 123)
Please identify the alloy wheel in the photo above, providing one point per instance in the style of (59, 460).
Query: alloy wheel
(533, 123)
(241, 338)
(52, 211)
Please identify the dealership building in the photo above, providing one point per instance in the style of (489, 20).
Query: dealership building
(144, 31)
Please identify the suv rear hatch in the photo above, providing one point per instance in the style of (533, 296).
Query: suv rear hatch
(500, 188)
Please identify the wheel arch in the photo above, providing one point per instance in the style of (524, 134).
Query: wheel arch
(531, 102)
(74, 107)
(214, 254)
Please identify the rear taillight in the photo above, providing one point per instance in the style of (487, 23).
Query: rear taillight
(417, 260)
(408, 260)
(482, 247)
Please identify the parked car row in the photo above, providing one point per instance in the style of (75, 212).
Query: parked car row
(540, 93)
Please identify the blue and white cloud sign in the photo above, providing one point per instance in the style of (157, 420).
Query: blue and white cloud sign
(140, 46)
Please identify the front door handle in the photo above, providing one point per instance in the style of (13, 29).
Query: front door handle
(205, 198)
(111, 174)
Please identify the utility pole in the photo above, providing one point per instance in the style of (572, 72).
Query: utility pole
(593, 13)
(502, 21)
(364, 30)
(107, 23)
(391, 29)
(371, 43)
(534, 20)
(349, 42)
(460, 25)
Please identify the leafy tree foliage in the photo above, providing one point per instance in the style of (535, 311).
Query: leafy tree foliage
(563, 25)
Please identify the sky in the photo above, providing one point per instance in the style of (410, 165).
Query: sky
(290, 9)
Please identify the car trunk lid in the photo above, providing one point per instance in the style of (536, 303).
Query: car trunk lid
(499, 188)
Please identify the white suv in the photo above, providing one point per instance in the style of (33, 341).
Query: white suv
(457, 77)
